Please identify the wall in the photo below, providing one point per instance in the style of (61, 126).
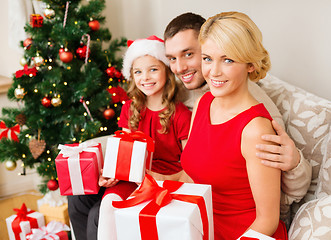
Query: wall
(297, 34)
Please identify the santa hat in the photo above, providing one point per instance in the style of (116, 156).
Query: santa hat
(152, 46)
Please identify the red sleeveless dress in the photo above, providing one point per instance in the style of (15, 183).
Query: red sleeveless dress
(213, 156)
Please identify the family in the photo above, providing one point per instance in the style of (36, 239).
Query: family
(230, 140)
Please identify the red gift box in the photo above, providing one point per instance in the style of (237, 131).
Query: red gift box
(78, 167)
(36, 20)
(21, 224)
(53, 230)
(166, 210)
(128, 155)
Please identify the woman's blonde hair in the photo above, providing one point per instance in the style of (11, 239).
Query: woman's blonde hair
(138, 104)
(240, 39)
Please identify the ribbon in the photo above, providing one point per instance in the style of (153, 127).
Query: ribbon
(22, 216)
(26, 71)
(48, 232)
(13, 131)
(160, 197)
(72, 153)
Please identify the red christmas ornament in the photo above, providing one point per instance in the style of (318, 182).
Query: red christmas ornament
(27, 43)
(118, 74)
(46, 102)
(65, 55)
(111, 71)
(52, 185)
(81, 52)
(94, 25)
(109, 113)
(36, 20)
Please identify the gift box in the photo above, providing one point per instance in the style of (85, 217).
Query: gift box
(53, 230)
(78, 167)
(55, 213)
(166, 210)
(36, 20)
(21, 224)
(128, 155)
(253, 235)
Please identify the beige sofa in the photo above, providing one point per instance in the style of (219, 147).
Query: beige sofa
(307, 120)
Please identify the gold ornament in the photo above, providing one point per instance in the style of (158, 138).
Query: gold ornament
(23, 61)
(38, 60)
(19, 92)
(10, 165)
(49, 13)
(56, 101)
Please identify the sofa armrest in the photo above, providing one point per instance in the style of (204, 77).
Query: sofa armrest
(312, 221)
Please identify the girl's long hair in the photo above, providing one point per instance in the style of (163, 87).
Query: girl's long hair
(138, 104)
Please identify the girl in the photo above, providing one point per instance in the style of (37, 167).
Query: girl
(228, 123)
(154, 110)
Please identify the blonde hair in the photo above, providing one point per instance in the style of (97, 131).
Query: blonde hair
(138, 104)
(240, 39)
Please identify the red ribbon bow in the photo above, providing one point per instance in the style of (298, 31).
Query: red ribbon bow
(26, 71)
(22, 216)
(136, 136)
(14, 130)
(160, 196)
(153, 37)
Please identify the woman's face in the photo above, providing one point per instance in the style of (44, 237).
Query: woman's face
(223, 75)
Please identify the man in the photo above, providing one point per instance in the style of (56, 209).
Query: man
(183, 51)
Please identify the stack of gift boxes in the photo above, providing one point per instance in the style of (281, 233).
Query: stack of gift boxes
(155, 210)
(29, 224)
(186, 210)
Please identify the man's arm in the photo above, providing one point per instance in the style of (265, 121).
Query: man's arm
(297, 171)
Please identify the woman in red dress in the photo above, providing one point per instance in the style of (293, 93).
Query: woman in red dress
(227, 124)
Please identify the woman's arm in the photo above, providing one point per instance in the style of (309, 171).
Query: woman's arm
(264, 181)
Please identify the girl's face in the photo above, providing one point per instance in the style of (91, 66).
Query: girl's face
(223, 75)
(149, 75)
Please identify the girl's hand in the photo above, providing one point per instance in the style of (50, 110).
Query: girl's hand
(106, 182)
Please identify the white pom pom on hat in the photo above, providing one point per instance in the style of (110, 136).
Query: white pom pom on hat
(152, 46)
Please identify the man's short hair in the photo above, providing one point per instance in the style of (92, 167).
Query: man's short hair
(183, 22)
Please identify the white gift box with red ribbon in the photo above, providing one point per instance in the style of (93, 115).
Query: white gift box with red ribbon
(128, 155)
(254, 235)
(21, 224)
(54, 230)
(176, 220)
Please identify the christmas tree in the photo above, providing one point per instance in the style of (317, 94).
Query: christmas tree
(69, 90)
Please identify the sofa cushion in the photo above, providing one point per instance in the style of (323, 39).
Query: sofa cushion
(324, 181)
(307, 121)
(312, 221)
